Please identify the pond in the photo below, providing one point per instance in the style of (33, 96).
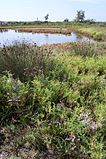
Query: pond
(8, 37)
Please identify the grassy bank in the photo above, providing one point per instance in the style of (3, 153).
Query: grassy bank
(52, 102)
(98, 33)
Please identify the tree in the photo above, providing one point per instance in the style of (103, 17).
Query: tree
(46, 17)
(66, 20)
(80, 16)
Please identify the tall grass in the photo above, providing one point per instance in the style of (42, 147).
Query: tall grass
(89, 48)
(22, 60)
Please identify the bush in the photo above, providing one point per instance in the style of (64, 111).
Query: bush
(13, 99)
(98, 36)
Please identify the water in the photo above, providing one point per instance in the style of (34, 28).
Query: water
(8, 37)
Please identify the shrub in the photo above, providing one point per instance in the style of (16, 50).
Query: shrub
(13, 99)
(98, 36)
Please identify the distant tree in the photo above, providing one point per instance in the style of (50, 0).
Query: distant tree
(80, 16)
(46, 17)
(90, 21)
(66, 20)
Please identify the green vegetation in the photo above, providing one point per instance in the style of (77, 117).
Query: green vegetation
(95, 31)
(52, 102)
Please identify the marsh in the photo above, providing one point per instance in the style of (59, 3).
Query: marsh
(9, 36)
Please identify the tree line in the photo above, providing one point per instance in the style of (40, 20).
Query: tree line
(80, 17)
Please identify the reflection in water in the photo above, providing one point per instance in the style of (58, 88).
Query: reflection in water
(3, 30)
(46, 38)
(8, 37)
(46, 35)
(79, 37)
(16, 30)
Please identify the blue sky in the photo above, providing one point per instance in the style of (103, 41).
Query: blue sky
(29, 10)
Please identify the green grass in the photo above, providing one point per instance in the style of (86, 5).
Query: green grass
(60, 111)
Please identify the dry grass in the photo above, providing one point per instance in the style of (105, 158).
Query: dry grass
(46, 30)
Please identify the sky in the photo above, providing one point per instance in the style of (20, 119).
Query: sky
(58, 10)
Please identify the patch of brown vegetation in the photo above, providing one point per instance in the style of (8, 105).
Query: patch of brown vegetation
(46, 30)
(60, 46)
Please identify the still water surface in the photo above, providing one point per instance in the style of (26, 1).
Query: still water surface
(8, 37)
